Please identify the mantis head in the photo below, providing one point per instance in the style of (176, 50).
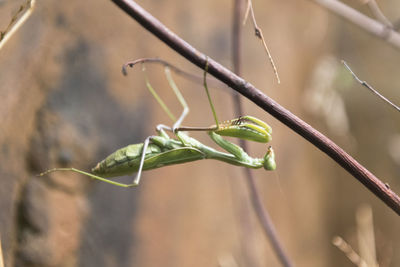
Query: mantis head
(269, 160)
(247, 128)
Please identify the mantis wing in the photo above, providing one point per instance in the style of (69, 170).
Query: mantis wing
(113, 168)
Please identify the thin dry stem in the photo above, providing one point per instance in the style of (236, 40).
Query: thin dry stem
(246, 14)
(1, 255)
(259, 34)
(366, 235)
(343, 246)
(369, 87)
(16, 23)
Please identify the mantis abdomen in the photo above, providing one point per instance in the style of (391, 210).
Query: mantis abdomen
(126, 160)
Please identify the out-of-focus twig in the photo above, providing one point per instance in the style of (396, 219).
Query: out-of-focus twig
(370, 25)
(15, 22)
(366, 240)
(259, 34)
(1, 256)
(369, 87)
(396, 25)
(366, 235)
(377, 12)
(343, 246)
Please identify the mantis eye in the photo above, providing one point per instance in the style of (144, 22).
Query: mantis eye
(269, 160)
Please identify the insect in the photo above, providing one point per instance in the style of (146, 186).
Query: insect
(162, 150)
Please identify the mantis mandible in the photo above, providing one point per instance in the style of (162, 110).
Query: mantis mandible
(161, 150)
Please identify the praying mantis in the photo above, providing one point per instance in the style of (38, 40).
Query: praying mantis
(161, 150)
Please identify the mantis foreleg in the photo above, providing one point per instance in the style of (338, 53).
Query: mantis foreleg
(236, 150)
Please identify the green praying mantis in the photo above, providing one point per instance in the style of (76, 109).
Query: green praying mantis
(161, 150)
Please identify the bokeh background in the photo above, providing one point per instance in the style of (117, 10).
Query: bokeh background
(64, 102)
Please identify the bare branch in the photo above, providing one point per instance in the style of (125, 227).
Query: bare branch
(259, 98)
(365, 84)
(370, 25)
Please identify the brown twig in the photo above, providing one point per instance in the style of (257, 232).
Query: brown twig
(370, 25)
(261, 212)
(260, 36)
(257, 97)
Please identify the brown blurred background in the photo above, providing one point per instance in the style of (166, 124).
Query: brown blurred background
(64, 102)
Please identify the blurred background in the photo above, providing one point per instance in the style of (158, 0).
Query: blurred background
(64, 102)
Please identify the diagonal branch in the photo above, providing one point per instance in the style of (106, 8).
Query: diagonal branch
(256, 96)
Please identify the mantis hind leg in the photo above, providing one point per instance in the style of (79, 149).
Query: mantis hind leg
(135, 181)
(89, 175)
